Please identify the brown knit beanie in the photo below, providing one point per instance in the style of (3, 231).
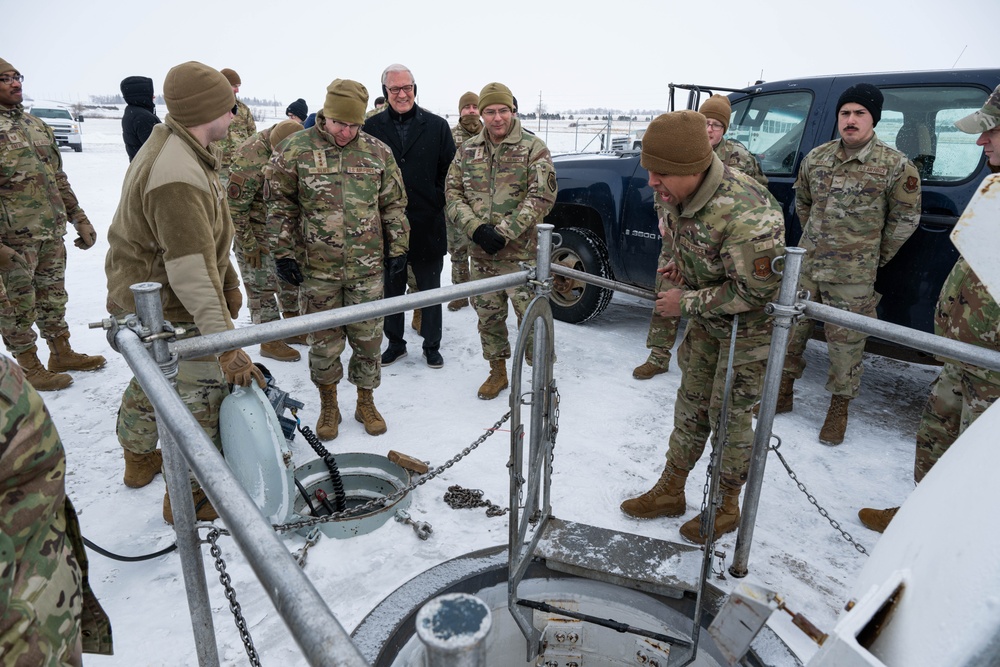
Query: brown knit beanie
(717, 107)
(6, 67)
(495, 93)
(467, 99)
(282, 130)
(676, 144)
(232, 77)
(196, 94)
(346, 101)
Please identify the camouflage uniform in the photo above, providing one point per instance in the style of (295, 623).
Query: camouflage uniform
(856, 212)
(723, 241)
(377, 110)
(44, 592)
(458, 241)
(246, 205)
(240, 130)
(341, 211)
(511, 185)
(734, 154)
(962, 392)
(36, 202)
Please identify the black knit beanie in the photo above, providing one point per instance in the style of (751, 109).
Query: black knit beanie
(867, 96)
(299, 109)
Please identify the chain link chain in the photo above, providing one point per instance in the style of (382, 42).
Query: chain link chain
(812, 499)
(234, 606)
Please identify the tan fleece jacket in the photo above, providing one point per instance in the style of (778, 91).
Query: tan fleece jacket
(173, 227)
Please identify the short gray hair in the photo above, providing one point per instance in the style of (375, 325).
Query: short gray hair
(396, 67)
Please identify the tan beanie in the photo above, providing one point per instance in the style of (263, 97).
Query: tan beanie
(6, 67)
(717, 107)
(232, 77)
(346, 101)
(495, 93)
(467, 99)
(282, 130)
(676, 144)
(196, 94)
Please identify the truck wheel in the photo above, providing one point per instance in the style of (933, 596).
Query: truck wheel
(575, 301)
(78, 148)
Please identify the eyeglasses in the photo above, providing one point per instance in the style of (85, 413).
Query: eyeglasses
(8, 79)
(712, 125)
(340, 127)
(396, 90)
(492, 113)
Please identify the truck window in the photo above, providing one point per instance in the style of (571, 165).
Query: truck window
(51, 113)
(771, 127)
(920, 122)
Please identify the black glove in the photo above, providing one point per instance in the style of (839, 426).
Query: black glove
(488, 239)
(396, 267)
(288, 270)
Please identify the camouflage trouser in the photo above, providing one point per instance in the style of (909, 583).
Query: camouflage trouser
(325, 347)
(662, 330)
(702, 359)
(845, 346)
(492, 308)
(34, 294)
(262, 286)
(957, 399)
(201, 386)
(458, 248)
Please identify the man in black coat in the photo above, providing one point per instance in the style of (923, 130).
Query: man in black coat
(423, 147)
(140, 114)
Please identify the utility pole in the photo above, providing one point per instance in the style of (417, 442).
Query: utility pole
(539, 111)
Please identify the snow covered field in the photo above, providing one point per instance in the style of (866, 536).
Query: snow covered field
(612, 438)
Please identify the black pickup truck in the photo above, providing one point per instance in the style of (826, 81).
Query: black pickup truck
(604, 211)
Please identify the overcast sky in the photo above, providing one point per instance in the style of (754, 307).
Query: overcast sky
(574, 55)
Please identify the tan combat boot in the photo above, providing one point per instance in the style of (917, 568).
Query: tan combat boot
(140, 469)
(415, 323)
(666, 498)
(328, 424)
(727, 518)
(877, 520)
(835, 425)
(457, 304)
(496, 382)
(63, 358)
(294, 340)
(203, 510)
(651, 368)
(279, 350)
(40, 378)
(368, 414)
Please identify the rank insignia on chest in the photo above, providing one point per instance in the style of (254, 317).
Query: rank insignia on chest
(912, 183)
(762, 268)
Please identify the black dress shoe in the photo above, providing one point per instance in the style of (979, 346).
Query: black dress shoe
(433, 357)
(392, 355)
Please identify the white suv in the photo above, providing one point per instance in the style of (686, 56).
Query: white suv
(66, 128)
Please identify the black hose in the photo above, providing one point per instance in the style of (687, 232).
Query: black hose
(340, 497)
(305, 496)
(129, 559)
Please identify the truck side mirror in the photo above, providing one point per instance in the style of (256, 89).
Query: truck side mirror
(79, 119)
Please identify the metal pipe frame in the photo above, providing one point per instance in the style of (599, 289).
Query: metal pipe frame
(312, 624)
(583, 276)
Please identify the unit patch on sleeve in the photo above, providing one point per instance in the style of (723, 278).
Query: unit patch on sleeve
(911, 185)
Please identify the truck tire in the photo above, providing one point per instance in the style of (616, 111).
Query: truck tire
(77, 147)
(574, 301)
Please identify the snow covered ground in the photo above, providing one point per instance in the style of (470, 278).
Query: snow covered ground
(612, 438)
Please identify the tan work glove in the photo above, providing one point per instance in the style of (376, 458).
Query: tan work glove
(239, 369)
(10, 260)
(87, 235)
(234, 300)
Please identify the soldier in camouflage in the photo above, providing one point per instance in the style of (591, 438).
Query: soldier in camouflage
(240, 130)
(380, 106)
(468, 126)
(965, 312)
(663, 330)
(254, 240)
(36, 202)
(725, 230)
(858, 200)
(48, 613)
(500, 186)
(173, 227)
(337, 196)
